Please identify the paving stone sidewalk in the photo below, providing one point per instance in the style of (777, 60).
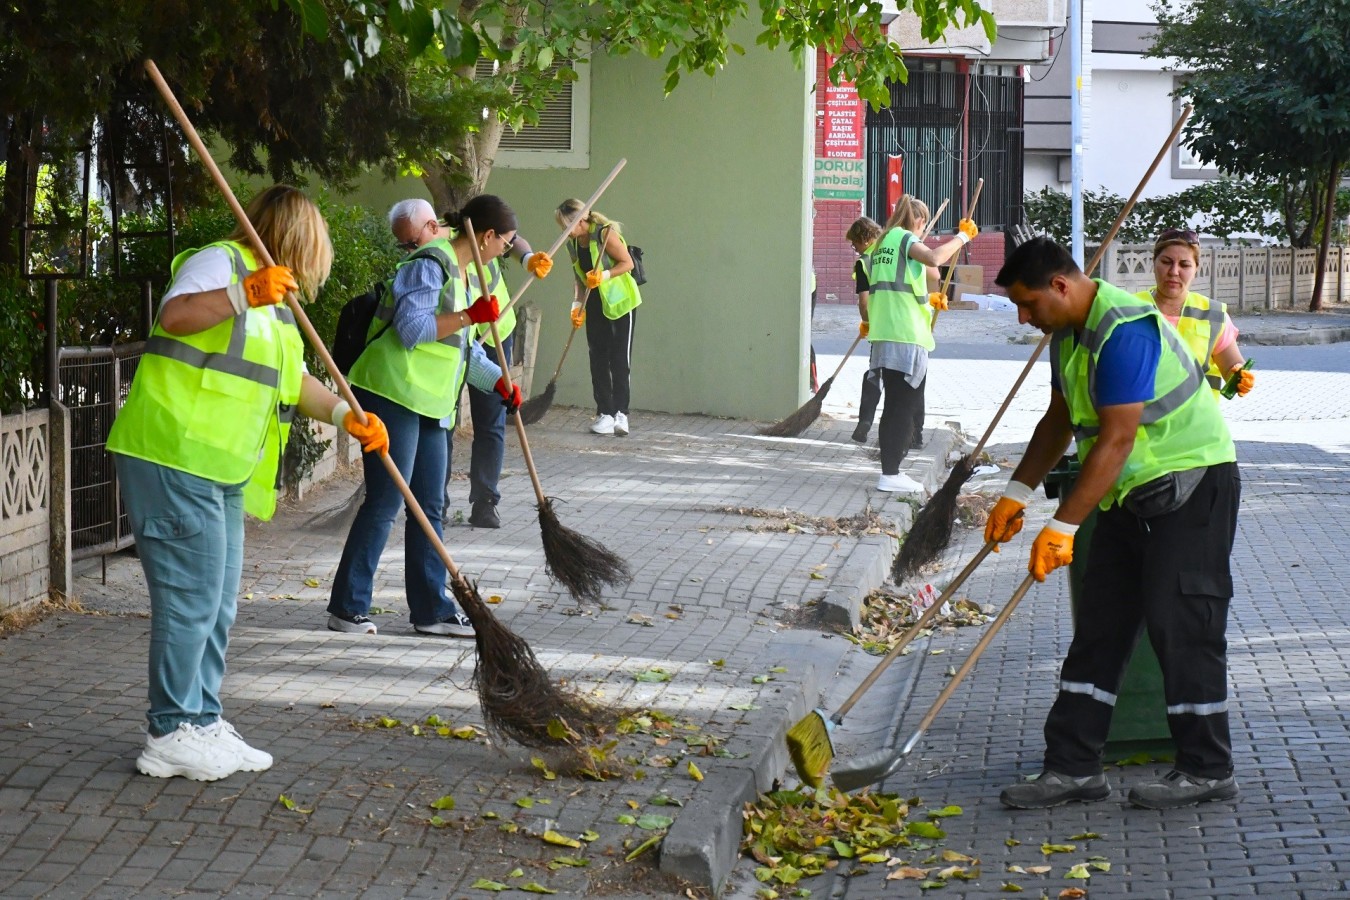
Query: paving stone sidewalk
(728, 606)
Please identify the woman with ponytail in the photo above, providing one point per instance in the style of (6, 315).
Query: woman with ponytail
(902, 279)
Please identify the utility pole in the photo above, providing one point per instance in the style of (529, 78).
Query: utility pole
(1075, 29)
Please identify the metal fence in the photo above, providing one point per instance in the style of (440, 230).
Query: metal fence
(93, 383)
(1245, 278)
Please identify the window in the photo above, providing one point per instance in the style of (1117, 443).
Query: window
(1185, 164)
(562, 137)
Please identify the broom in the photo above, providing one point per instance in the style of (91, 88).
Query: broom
(580, 564)
(951, 265)
(808, 412)
(808, 742)
(931, 532)
(873, 767)
(519, 699)
(534, 409)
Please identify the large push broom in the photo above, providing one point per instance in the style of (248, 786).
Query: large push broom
(519, 699)
(581, 564)
(809, 743)
(798, 421)
(931, 532)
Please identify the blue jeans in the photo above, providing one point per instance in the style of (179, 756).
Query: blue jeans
(418, 448)
(488, 414)
(190, 537)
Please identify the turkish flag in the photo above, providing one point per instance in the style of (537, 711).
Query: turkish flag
(895, 182)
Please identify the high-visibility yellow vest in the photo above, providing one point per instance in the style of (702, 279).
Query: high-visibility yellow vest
(496, 285)
(1181, 427)
(1201, 325)
(428, 378)
(897, 307)
(619, 295)
(219, 403)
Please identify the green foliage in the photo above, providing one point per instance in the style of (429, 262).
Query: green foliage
(21, 341)
(1220, 208)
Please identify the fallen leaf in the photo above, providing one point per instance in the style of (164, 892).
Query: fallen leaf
(542, 766)
(589, 836)
(562, 840)
(718, 663)
(446, 802)
(1047, 849)
(1099, 865)
(516, 873)
(953, 856)
(534, 888)
(694, 772)
(311, 582)
(485, 884)
(945, 812)
(651, 822)
(652, 675)
(290, 804)
(643, 847)
(904, 872)
(1078, 871)
(525, 802)
(743, 707)
(778, 670)
(1085, 836)
(575, 862)
(1072, 894)
(494, 598)
(1009, 888)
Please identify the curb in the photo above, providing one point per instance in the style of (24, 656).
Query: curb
(1297, 338)
(703, 845)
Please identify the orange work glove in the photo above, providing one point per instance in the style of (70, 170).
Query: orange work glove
(265, 287)
(1246, 380)
(862, 329)
(578, 314)
(1052, 548)
(968, 229)
(1005, 519)
(483, 310)
(539, 264)
(937, 300)
(372, 436)
(593, 279)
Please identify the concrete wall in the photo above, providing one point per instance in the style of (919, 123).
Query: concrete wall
(25, 535)
(716, 191)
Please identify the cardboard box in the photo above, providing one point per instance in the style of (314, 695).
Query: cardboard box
(971, 275)
(957, 292)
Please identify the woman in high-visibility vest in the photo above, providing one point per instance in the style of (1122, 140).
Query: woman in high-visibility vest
(899, 325)
(1202, 322)
(198, 443)
(605, 300)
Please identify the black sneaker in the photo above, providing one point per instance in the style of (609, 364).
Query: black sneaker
(458, 625)
(351, 624)
(1054, 789)
(484, 515)
(1177, 789)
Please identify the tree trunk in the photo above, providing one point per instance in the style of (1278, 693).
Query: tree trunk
(11, 205)
(1324, 246)
(453, 182)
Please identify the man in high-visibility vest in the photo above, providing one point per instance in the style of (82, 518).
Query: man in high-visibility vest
(1158, 463)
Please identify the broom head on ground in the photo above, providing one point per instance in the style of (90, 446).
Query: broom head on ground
(807, 413)
(581, 565)
(810, 747)
(932, 529)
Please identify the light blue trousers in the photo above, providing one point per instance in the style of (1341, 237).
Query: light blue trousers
(190, 537)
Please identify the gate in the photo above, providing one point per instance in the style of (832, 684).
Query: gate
(93, 382)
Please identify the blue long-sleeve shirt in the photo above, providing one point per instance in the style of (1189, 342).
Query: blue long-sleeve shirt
(417, 291)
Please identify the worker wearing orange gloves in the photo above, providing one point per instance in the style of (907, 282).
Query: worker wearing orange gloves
(1158, 463)
(1203, 323)
(199, 443)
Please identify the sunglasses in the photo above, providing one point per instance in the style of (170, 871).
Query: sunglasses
(1179, 234)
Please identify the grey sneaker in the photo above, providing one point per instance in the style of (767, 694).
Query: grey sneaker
(1054, 789)
(351, 624)
(457, 625)
(1177, 789)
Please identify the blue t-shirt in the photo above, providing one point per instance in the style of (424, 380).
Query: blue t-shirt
(1127, 365)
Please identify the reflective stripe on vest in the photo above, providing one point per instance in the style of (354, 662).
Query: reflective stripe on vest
(507, 323)
(897, 306)
(619, 295)
(427, 378)
(1201, 324)
(1180, 428)
(219, 403)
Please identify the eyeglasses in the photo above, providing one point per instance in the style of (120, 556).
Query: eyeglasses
(1179, 234)
(412, 244)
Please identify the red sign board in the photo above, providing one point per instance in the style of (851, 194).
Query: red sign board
(843, 119)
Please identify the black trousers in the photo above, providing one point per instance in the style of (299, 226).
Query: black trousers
(901, 419)
(611, 345)
(870, 397)
(1169, 575)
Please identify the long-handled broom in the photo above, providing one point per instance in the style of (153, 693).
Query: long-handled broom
(580, 564)
(797, 422)
(519, 699)
(873, 767)
(809, 744)
(535, 408)
(931, 532)
(951, 266)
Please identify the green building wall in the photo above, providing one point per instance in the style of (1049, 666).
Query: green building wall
(716, 191)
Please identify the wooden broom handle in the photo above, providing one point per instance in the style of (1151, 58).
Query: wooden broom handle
(567, 346)
(951, 265)
(1092, 265)
(344, 389)
(506, 366)
(572, 223)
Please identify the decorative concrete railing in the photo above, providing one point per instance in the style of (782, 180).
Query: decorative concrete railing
(25, 509)
(1245, 278)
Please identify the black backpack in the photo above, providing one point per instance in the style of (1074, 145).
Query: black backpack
(638, 274)
(353, 325)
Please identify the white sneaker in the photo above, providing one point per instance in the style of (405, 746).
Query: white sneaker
(899, 483)
(251, 758)
(458, 625)
(620, 423)
(190, 752)
(603, 425)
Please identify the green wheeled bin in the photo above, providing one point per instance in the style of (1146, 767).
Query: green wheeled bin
(1139, 723)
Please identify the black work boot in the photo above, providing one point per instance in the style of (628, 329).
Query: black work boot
(484, 515)
(1054, 789)
(1177, 789)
